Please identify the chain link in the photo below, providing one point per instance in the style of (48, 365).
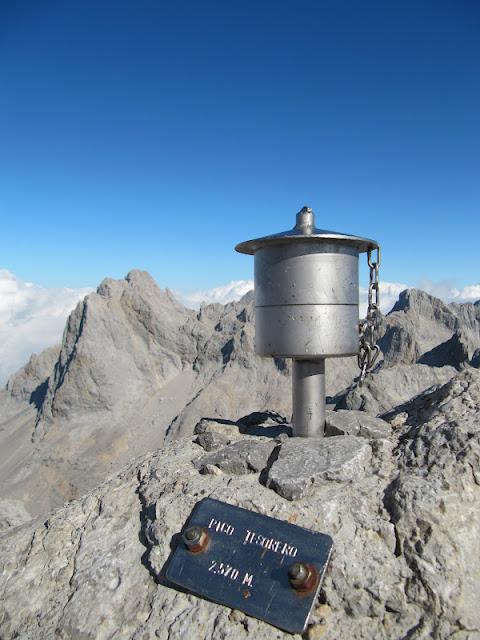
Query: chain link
(369, 349)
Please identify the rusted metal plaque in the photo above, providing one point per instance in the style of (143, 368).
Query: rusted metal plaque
(267, 568)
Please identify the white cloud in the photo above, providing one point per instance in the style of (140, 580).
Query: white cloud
(448, 292)
(31, 318)
(468, 294)
(223, 294)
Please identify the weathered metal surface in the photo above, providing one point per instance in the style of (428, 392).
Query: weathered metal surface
(308, 383)
(306, 273)
(249, 564)
(307, 331)
(306, 306)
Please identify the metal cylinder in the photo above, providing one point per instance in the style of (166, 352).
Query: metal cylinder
(306, 307)
(308, 397)
(306, 300)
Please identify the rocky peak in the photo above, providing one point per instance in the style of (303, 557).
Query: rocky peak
(127, 333)
(419, 323)
(31, 381)
(418, 303)
(413, 298)
(134, 365)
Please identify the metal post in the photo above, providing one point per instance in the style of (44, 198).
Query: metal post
(308, 396)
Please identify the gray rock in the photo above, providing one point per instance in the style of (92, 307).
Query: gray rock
(417, 323)
(398, 345)
(220, 427)
(406, 562)
(211, 441)
(475, 362)
(211, 469)
(12, 514)
(398, 419)
(238, 458)
(355, 423)
(455, 352)
(419, 329)
(420, 322)
(304, 462)
(30, 383)
(388, 387)
(458, 398)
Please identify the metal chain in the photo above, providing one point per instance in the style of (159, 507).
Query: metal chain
(369, 349)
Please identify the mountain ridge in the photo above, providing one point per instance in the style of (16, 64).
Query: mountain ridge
(136, 368)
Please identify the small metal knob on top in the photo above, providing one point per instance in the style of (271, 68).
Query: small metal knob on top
(305, 221)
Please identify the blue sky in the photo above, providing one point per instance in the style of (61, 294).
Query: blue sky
(158, 135)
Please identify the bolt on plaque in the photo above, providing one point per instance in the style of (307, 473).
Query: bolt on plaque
(267, 568)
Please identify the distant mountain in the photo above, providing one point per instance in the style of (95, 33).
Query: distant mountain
(32, 317)
(134, 365)
(136, 368)
(420, 336)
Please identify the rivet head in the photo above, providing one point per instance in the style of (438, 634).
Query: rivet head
(192, 535)
(298, 571)
(302, 577)
(195, 539)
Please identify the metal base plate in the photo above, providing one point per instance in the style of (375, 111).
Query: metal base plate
(246, 562)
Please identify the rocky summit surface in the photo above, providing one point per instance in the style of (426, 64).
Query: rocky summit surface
(400, 497)
(136, 369)
(109, 439)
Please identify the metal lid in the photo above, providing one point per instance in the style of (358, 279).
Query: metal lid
(305, 229)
